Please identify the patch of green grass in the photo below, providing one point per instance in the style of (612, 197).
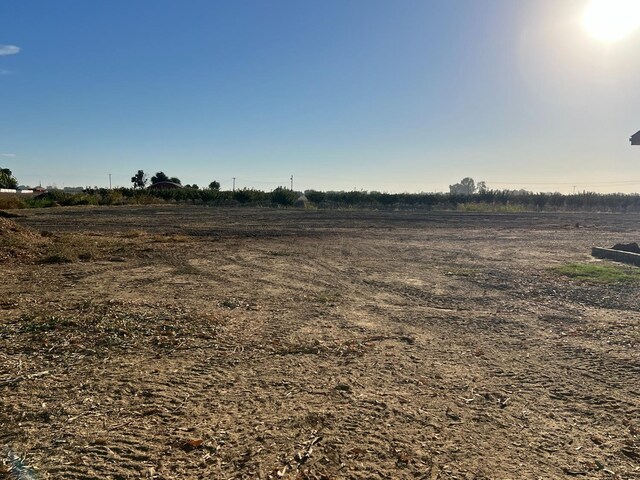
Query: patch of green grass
(591, 272)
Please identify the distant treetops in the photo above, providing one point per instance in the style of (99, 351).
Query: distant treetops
(467, 186)
(7, 180)
(140, 180)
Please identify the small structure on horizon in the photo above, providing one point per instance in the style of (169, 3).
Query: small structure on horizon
(165, 186)
(635, 138)
(301, 202)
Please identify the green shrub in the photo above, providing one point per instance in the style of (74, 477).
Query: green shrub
(283, 196)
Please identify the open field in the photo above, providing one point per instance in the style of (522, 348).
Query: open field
(183, 342)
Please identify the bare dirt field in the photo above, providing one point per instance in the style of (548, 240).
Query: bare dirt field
(191, 342)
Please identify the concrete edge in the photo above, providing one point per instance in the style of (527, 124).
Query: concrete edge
(617, 255)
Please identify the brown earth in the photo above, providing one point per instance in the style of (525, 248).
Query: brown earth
(188, 342)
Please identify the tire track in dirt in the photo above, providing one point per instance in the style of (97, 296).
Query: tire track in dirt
(537, 383)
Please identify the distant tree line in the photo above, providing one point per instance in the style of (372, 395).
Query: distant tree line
(463, 196)
(487, 201)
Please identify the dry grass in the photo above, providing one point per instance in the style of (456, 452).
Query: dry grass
(134, 233)
(9, 202)
(19, 242)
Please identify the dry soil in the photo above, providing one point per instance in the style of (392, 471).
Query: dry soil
(190, 342)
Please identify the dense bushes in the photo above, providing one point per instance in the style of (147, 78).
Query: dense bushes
(283, 196)
(487, 201)
(491, 200)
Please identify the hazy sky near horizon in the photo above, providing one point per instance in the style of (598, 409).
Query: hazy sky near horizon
(389, 95)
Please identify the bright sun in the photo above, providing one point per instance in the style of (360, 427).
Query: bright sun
(611, 20)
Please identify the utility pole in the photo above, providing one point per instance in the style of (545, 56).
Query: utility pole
(292, 183)
(234, 184)
(574, 189)
(109, 181)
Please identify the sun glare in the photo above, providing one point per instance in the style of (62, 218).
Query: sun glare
(611, 20)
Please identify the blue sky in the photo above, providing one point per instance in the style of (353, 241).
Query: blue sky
(343, 94)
